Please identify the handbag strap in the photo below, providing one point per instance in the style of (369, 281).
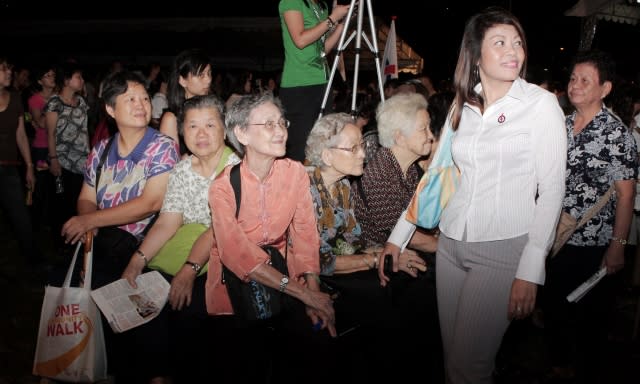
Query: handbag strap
(87, 262)
(103, 158)
(234, 178)
(442, 157)
(67, 278)
(596, 207)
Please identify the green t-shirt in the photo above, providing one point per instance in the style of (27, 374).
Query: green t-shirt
(306, 66)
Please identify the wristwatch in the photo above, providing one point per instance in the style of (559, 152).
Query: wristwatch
(195, 266)
(283, 282)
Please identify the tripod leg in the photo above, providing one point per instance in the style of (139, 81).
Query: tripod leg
(376, 51)
(356, 65)
(341, 47)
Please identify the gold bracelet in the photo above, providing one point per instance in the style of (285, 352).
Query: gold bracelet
(139, 252)
(619, 240)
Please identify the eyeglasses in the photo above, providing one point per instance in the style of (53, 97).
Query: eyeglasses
(271, 125)
(353, 149)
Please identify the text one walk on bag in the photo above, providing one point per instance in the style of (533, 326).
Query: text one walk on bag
(70, 345)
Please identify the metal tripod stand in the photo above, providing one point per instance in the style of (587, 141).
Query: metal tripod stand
(342, 44)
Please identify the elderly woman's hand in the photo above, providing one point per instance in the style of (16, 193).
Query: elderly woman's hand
(390, 250)
(410, 263)
(182, 288)
(320, 310)
(133, 270)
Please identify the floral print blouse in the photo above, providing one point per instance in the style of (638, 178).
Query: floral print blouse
(603, 152)
(337, 226)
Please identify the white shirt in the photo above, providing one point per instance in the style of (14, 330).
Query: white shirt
(515, 150)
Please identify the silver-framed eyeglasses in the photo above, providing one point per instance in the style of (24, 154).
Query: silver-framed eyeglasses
(271, 125)
(354, 149)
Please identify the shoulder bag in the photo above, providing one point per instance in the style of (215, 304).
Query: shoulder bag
(436, 186)
(253, 301)
(568, 224)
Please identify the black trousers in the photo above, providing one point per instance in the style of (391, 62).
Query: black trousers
(576, 333)
(302, 108)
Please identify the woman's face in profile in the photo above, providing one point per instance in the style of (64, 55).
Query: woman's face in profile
(347, 156)
(197, 85)
(421, 138)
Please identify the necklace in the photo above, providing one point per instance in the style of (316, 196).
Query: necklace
(316, 11)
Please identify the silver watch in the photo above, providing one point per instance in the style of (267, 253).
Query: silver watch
(195, 266)
(283, 282)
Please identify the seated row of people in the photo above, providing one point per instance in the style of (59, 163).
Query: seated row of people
(310, 214)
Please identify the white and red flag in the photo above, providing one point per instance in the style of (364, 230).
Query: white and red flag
(390, 56)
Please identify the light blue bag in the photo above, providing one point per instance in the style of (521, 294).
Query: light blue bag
(436, 186)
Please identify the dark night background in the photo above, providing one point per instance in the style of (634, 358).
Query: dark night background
(432, 28)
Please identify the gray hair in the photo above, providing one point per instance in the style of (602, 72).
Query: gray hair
(238, 115)
(324, 135)
(199, 102)
(398, 114)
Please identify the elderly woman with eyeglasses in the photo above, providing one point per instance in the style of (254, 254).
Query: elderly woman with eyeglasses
(381, 195)
(276, 209)
(335, 152)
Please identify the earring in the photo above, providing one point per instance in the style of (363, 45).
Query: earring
(476, 74)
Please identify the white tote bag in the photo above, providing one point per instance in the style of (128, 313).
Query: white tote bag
(70, 345)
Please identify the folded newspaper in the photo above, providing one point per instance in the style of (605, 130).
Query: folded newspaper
(585, 287)
(126, 307)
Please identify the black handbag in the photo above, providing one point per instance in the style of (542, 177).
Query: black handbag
(253, 301)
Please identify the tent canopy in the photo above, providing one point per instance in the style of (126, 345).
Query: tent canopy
(619, 11)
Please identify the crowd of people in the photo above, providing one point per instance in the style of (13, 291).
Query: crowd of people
(145, 163)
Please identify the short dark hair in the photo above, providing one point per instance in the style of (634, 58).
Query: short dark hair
(117, 83)
(200, 102)
(65, 71)
(602, 62)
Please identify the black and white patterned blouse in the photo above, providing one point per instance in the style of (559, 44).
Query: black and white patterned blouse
(603, 152)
